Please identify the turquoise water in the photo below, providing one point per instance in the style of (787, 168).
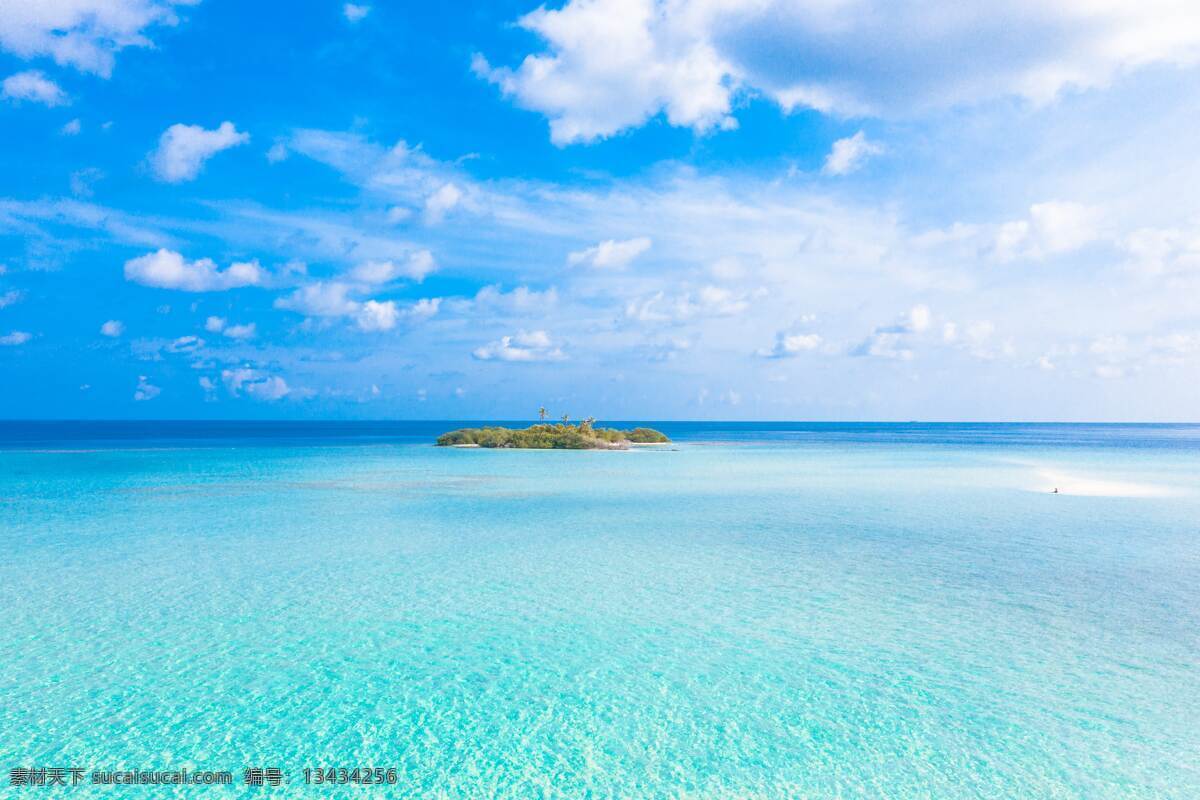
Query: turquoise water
(758, 612)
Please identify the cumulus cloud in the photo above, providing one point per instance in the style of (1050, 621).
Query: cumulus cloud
(333, 299)
(247, 331)
(15, 338)
(425, 307)
(849, 154)
(183, 149)
(253, 383)
(893, 341)
(522, 346)
(415, 267)
(438, 204)
(85, 34)
(320, 299)
(167, 269)
(1052, 228)
(790, 343)
(72, 128)
(145, 390)
(220, 325)
(9, 297)
(112, 328)
(609, 65)
(355, 13)
(884, 344)
(374, 315)
(610, 254)
(34, 87)
(615, 63)
(522, 299)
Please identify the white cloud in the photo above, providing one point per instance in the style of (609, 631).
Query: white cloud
(9, 297)
(72, 128)
(848, 155)
(277, 152)
(377, 316)
(424, 308)
(85, 34)
(183, 149)
(271, 389)
(442, 201)
(1052, 228)
(15, 338)
(895, 341)
(919, 318)
(610, 254)
(354, 12)
(789, 344)
(220, 325)
(416, 267)
(493, 299)
(709, 301)
(1156, 251)
(255, 384)
(320, 299)
(247, 331)
(613, 64)
(112, 328)
(185, 344)
(397, 214)
(145, 390)
(884, 344)
(333, 299)
(522, 346)
(35, 87)
(166, 269)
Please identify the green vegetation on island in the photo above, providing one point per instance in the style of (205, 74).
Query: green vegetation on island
(552, 436)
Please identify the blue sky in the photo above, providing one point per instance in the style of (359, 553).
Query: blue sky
(729, 209)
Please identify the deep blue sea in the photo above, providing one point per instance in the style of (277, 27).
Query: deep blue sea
(780, 610)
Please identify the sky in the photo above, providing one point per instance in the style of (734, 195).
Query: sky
(629, 209)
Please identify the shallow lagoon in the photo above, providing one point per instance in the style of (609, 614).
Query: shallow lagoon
(761, 611)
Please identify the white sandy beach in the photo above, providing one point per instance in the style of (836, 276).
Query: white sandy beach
(1087, 486)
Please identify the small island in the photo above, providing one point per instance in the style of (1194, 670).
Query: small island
(553, 436)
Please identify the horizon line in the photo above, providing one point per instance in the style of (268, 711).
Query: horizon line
(379, 420)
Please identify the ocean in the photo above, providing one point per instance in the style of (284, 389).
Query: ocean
(777, 610)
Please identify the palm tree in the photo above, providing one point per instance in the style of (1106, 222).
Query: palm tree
(588, 423)
(542, 414)
(566, 418)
